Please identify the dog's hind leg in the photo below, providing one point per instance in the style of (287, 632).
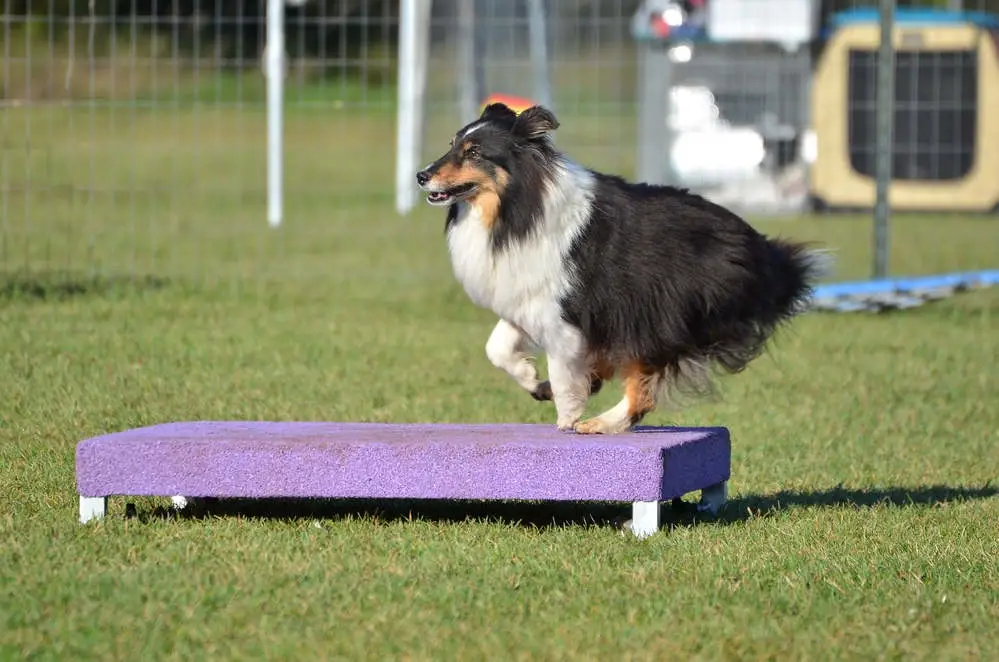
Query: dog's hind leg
(510, 349)
(641, 389)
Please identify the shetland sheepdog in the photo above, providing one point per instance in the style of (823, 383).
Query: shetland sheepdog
(653, 285)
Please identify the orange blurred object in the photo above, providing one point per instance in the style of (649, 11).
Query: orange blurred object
(516, 104)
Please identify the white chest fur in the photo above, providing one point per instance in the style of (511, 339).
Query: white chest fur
(523, 281)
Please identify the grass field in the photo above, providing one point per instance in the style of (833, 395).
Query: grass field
(141, 286)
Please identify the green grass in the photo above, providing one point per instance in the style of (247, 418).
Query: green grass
(142, 286)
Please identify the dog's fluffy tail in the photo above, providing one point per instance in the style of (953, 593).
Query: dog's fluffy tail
(797, 268)
(790, 274)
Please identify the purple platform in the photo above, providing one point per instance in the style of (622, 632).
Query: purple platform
(421, 461)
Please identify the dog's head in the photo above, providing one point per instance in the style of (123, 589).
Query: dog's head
(482, 155)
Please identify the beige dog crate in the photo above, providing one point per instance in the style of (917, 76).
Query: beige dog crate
(946, 137)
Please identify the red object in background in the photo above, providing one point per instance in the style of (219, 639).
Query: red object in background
(659, 25)
(515, 103)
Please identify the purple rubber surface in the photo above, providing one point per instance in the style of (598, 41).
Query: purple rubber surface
(416, 461)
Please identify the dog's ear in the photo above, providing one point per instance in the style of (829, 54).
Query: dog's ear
(498, 112)
(535, 122)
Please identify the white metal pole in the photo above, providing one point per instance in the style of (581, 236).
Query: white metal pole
(470, 75)
(537, 26)
(275, 107)
(884, 138)
(414, 27)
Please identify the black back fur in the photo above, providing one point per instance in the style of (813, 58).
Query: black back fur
(667, 277)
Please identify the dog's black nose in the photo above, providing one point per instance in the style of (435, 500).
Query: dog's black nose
(422, 177)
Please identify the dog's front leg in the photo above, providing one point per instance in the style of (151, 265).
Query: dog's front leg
(510, 349)
(570, 382)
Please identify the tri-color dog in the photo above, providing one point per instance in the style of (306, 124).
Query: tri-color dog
(651, 284)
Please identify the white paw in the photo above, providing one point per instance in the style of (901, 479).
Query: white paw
(592, 426)
(601, 426)
(567, 425)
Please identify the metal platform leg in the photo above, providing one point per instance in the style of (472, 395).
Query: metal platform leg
(644, 518)
(92, 508)
(713, 498)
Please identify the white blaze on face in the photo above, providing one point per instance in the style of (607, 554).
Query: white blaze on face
(472, 129)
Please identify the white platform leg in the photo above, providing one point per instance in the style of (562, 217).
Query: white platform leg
(180, 502)
(713, 498)
(92, 508)
(644, 518)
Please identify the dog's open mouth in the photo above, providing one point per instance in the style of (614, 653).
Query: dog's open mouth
(449, 196)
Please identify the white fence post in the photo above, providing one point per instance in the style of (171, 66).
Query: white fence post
(414, 50)
(274, 66)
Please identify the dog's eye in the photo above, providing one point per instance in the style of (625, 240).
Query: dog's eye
(471, 152)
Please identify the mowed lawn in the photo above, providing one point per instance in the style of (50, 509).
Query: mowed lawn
(141, 285)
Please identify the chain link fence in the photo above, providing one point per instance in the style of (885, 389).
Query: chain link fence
(133, 135)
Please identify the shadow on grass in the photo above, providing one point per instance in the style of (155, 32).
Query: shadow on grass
(529, 514)
(60, 286)
(541, 515)
(754, 506)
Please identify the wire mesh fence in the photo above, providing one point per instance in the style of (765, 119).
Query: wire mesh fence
(134, 134)
(134, 139)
